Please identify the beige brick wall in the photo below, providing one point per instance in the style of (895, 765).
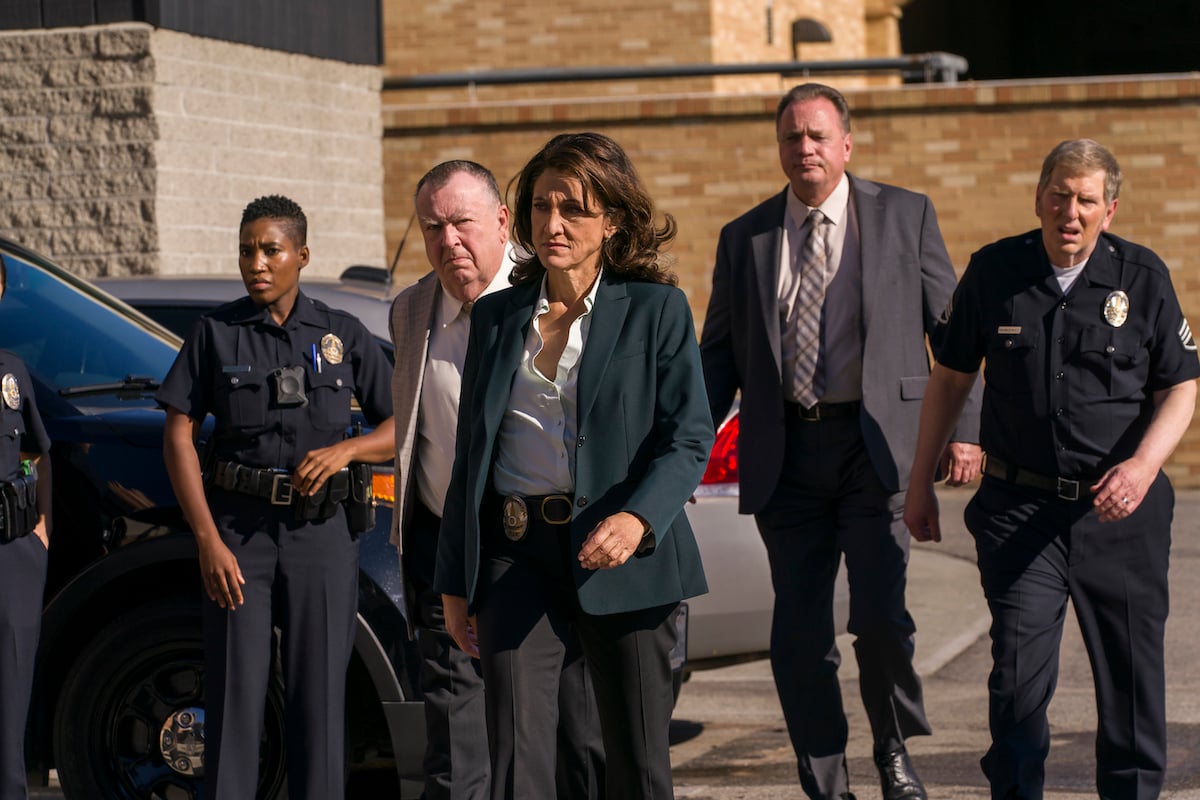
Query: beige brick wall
(975, 149)
(125, 149)
(458, 36)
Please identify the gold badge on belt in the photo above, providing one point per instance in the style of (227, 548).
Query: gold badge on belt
(11, 390)
(516, 518)
(1116, 308)
(332, 348)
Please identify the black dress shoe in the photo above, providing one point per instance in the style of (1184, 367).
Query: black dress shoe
(897, 777)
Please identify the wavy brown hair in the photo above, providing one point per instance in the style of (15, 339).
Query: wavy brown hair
(611, 186)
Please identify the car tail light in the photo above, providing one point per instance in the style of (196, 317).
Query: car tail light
(383, 484)
(723, 461)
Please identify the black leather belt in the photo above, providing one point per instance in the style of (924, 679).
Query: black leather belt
(1063, 488)
(274, 485)
(519, 512)
(824, 411)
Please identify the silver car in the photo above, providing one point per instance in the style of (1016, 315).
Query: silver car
(731, 623)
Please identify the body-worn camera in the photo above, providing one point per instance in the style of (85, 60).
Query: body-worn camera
(288, 385)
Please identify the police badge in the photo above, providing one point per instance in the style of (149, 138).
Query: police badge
(1116, 308)
(332, 349)
(11, 391)
(516, 518)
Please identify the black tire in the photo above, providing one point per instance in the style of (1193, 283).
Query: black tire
(145, 665)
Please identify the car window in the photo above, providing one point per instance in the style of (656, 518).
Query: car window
(69, 338)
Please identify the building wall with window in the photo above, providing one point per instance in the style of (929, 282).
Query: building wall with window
(126, 148)
(460, 36)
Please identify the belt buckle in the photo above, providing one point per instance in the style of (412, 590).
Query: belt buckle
(1067, 490)
(281, 490)
(810, 414)
(515, 517)
(546, 517)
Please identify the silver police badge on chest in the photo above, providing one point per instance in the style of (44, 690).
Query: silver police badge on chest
(332, 348)
(516, 518)
(1116, 308)
(11, 390)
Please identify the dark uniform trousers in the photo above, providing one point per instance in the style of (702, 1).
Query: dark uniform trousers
(528, 611)
(22, 582)
(1035, 551)
(830, 503)
(457, 759)
(313, 567)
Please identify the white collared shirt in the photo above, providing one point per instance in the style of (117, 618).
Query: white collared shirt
(437, 414)
(536, 442)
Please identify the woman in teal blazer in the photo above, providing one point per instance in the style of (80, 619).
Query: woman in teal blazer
(583, 429)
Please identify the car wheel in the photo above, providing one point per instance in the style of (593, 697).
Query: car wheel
(129, 722)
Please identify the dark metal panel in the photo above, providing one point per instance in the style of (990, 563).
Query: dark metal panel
(64, 13)
(20, 14)
(346, 30)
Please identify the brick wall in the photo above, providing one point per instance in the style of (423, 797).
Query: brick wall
(125, 149)
(975, 149)
(459, 36)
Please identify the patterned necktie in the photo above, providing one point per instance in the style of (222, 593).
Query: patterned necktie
(808, 375)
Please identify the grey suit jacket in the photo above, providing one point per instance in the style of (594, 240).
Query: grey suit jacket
(907, 281)
(410, 323)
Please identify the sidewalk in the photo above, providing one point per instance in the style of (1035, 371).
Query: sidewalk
(953, 657)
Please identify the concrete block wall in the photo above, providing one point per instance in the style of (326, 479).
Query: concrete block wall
(975, 149)
(126, 149)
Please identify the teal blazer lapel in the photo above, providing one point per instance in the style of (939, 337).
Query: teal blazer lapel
(510, 344)
(608, 319)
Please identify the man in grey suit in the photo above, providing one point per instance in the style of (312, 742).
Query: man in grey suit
(465, 227)
(822, 299)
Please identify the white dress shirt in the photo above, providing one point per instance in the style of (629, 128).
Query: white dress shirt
(536, 442)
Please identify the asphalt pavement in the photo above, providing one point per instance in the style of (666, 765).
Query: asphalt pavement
(729, 737)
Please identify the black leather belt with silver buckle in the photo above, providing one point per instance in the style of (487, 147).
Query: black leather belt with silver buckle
(549, 509)
(1063, 488)
(823, 411)
(274, 485)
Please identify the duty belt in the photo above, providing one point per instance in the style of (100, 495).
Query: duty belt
(18, 507)
(274, 485)
(1063, 488)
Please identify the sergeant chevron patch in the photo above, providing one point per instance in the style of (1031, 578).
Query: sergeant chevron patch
(1185, 336)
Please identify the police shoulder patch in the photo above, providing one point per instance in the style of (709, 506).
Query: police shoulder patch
(1185, 336)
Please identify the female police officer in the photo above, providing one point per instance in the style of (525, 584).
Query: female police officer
(277, 370)
(22, 557)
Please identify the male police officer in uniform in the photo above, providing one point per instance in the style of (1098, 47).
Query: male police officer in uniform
(1089, 385)
(277, 370)
(25, 499)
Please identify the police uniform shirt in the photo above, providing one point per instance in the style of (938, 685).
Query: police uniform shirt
(225, 368)
(22, 430)
(1069, 377)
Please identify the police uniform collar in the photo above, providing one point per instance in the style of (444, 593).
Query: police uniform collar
(1102, 267)
(305, 312)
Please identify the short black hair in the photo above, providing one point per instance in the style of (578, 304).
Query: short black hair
(284, 209)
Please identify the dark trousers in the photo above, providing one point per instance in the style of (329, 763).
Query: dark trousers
(829, 503)
(1036, 551)
(22, 582)
(528, 613)
(457, 759)
(302, 577)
